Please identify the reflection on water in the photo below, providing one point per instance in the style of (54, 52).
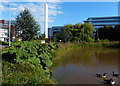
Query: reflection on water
(79, 66)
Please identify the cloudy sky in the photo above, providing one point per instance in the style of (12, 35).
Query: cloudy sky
(60, 13)
(9, 10)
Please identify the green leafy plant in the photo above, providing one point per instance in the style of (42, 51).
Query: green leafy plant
(3, 43)
(32, 52)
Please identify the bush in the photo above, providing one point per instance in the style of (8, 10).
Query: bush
(16, 40)
(32, 52)
(103, 40)
(108, 32)
(4, 43)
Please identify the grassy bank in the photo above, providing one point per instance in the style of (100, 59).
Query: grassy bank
(65, 47)
(23, 73)
(98, 44)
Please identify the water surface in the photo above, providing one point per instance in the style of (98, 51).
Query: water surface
(80, 65)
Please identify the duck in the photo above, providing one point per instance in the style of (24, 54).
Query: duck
(100, 75)
(109, 81)
(115, 75)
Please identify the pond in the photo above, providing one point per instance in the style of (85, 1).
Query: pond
(80, 65)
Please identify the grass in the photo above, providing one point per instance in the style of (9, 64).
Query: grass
(64, 47)
(24, 73)
(98, 44)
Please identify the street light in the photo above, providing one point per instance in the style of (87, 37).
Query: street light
(9, 23)
(46, 20)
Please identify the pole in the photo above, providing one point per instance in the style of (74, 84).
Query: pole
(9, 32)
(9, 23)
(46, 20)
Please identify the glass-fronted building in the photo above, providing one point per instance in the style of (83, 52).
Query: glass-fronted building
(54, 30)
(98, 22)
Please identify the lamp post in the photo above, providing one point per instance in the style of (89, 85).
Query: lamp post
(46, 20)
(9, 24)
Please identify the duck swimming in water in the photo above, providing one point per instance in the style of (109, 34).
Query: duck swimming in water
(109, 81)
(101, 75)
(115, 75)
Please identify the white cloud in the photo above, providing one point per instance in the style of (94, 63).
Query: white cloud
(37, 9)
(13, 4)
(51, 20)
(59, 0)
(54, 12)
(2, 8)
(54, 6)
(30, 1)
(60, 12)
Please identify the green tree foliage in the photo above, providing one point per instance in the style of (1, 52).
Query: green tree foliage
(110, 33)
(42, 36)
(27, 25)
(77, 26)
(57, 37)
(88, 29)
(78, 32)
(86, 32)
(81, 32)
(66, 35)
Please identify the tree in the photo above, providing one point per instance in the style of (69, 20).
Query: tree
(42, 36)
(82, 32)
(88, 29)
(77, 26)
(77, 32)
(66, 35)
(27, 25)
(74, 30)
(57, 37)
(109, 32)
(85, 32)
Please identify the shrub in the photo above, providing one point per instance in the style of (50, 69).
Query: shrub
(103, 40)
(32, 52)
(16, 40)
(3, 42)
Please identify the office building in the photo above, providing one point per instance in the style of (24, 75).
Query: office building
(54, 30)
(98, 22)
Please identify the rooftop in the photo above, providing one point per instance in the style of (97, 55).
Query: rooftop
(104, 17)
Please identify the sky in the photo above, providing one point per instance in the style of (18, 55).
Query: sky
(60, 13)
(77, 12)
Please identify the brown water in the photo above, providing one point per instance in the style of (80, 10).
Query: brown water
(79, 66)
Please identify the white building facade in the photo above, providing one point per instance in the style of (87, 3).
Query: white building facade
(4, 29)
(3, 34)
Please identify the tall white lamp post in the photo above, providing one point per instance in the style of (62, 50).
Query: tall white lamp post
(46, 20)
